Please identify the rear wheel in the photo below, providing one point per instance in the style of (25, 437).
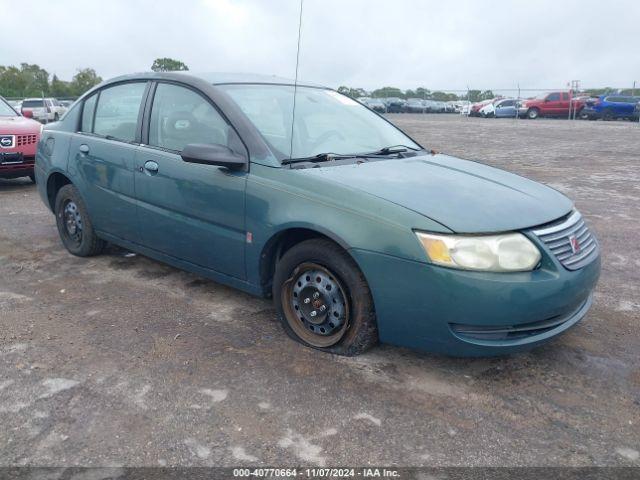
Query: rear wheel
(32, 177)
(323, 299)
(74, 225)
(608, 114)
(533, 113)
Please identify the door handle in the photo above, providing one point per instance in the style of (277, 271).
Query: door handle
(151, 167)
(84, 149)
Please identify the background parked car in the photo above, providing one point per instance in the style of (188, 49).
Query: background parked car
(610, 107)
(18, 140)
(474, 109)
(395, 105)
(506, 108)
(374, 104)
(553, 104)
(43, 109)
(416, 105)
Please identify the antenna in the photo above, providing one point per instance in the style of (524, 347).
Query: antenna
(295, 83)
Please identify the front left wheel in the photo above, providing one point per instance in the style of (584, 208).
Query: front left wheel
(74, 225)
(323, 300)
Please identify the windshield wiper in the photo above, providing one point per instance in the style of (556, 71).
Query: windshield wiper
(394, 149)
(328, 156)
(323, 157)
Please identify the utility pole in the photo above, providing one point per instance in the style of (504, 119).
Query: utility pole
(575, 86)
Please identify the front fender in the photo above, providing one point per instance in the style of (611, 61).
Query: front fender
(279, 199)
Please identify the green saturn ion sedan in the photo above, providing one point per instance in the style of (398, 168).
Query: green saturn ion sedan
(360, 234)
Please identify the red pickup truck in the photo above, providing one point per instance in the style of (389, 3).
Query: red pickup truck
(552, 104)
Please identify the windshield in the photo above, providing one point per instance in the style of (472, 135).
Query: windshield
(6, 110)
(325, 121)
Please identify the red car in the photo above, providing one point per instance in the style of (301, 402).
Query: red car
(18, 141)
(554, 104)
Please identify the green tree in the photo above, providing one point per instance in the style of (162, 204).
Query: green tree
(423, 92)
(474, 96)
(59, 88)
(82, 81)
(385, 92)
(12, 83)
(487, 95)
(36, 80)
(168, 65)
(352, 92)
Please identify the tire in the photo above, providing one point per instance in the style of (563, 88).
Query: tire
(56, 117)
(608, 115)
(32, 177)
(533, 113)
(326, 276)
(74, 225)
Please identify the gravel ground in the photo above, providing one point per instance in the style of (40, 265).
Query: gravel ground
(120, 360)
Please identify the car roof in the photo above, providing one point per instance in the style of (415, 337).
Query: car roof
(214, 78)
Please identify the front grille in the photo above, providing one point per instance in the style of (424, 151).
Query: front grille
(570, 241)
(22, 140)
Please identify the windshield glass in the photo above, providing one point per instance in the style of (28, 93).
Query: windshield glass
(325, 121)
(6, 110)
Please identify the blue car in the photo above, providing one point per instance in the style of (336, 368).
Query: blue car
(610, 107)
(506, 108)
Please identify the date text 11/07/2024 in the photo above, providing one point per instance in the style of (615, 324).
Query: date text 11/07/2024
(317, 472)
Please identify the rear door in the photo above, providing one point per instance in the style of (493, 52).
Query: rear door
(102, 155)
(189, 211)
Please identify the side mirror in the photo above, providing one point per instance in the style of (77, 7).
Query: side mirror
(213, 154)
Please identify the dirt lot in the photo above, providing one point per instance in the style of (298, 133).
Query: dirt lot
(120, 360)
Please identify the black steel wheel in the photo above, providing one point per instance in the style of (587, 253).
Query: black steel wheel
(74, 225)
(323, 299)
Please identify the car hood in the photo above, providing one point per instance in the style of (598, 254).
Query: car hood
(17, 125)
(464, 196)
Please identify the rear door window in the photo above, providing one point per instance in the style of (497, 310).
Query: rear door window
(117, 111)
(88, 109)
(553, 97)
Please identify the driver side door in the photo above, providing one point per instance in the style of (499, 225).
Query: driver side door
(189, 211)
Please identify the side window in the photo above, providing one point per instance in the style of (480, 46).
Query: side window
(553, 97)
(87, 113)
(180, 116)
(117, 111)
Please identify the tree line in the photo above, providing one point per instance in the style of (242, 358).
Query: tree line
(31, 80)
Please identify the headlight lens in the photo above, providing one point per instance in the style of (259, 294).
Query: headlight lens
(509, 252)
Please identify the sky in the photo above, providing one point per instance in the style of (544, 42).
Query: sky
(448, 45)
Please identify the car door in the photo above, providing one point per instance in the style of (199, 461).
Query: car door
(506, 108)
(553, 104)
(189, 211)
(102, 156)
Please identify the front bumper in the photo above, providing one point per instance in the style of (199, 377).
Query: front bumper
(463, 313)
(16, 165)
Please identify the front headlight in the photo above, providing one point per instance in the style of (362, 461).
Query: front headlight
(509, 252)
